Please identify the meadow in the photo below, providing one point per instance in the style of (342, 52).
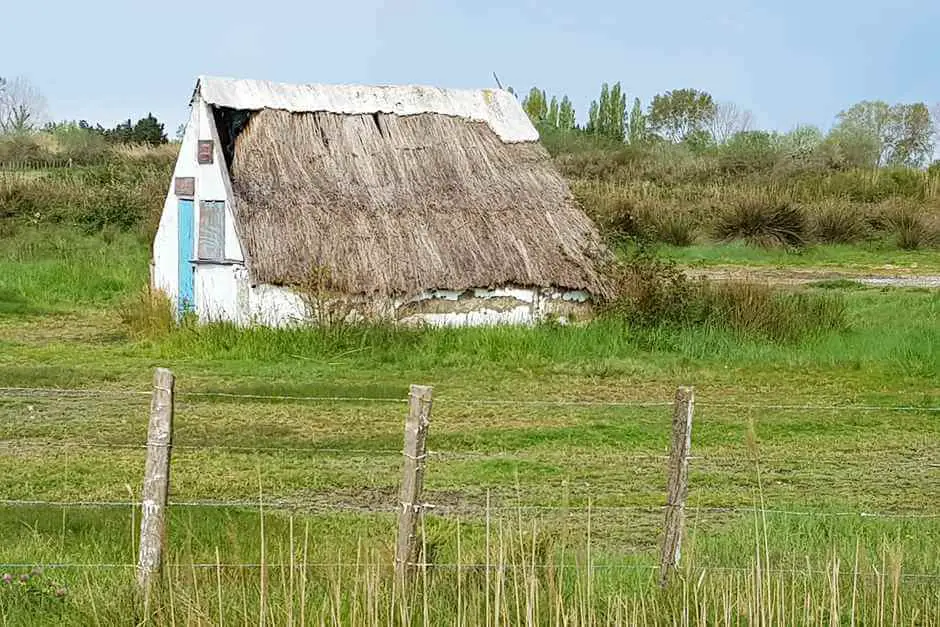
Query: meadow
(813, 484)
(812, 488)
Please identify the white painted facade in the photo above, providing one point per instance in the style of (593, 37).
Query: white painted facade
(223, 291)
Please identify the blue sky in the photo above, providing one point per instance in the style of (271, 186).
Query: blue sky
(799, 61)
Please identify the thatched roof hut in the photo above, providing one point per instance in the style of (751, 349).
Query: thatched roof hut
(396, 191)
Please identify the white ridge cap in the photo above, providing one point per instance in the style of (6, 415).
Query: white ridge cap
(496, 107)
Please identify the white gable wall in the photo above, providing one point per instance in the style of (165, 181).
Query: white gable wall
(165, 244)
(215, 296)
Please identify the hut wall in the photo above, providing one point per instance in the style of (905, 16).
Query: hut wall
(231, 297)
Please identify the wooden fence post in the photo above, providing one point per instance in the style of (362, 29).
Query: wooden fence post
(156, 480)
(415, 453)
(678, 482)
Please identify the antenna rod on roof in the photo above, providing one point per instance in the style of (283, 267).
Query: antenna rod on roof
(498, 84)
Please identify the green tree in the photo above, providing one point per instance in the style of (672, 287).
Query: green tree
(912, 132)
(677, 114)
(607, 115)
(553, 112)
(593, 117)
(122, 133)
(536, 105)
(638, 133)
(860, 133)
(801, 142)
(873, 133)
(566, 116)
(149, 130)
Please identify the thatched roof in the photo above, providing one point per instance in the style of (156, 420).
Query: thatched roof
(393, 205)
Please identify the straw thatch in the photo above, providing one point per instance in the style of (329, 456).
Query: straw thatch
(394, 205)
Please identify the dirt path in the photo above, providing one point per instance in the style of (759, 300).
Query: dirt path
(793, 276)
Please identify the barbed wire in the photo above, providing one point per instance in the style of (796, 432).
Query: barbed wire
(741, 460)
(702, 403)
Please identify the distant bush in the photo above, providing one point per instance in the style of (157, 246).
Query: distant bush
(80, 145)
(764, 221)
(23, 148)
(128, 196)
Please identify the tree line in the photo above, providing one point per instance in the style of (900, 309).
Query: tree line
(870, 133)
(23, 111)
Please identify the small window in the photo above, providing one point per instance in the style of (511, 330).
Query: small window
(204, 151)
(212, 230)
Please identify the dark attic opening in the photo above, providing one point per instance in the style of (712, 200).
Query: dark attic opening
(230, 123)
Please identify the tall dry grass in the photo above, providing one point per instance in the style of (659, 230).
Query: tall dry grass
(517, 576)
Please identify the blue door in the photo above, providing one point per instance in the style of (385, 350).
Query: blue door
(186, 246)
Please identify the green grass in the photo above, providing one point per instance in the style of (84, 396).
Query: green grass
(338, 462)
(842, 257)
(61, 269)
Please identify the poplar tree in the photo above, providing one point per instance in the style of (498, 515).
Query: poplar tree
(566, 116)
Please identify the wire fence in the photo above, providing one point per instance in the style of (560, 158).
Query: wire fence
(920, 459)
(100, 392)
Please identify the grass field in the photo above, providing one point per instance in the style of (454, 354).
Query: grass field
(812, 499)
(845, 258)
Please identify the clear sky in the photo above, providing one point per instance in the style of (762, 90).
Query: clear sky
(790, 62)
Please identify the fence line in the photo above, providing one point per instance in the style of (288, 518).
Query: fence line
(27, 165)
(411, 503)
(81, 392)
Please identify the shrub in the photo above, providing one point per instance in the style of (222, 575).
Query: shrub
(764, 221)
(651, 291)
(125, 196)
(22, 147)
(838, 223)
(80, 145)
(749, 151)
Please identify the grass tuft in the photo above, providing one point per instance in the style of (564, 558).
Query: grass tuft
(911, 228)
(148, 314)
(764, 221)
(838, 223)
